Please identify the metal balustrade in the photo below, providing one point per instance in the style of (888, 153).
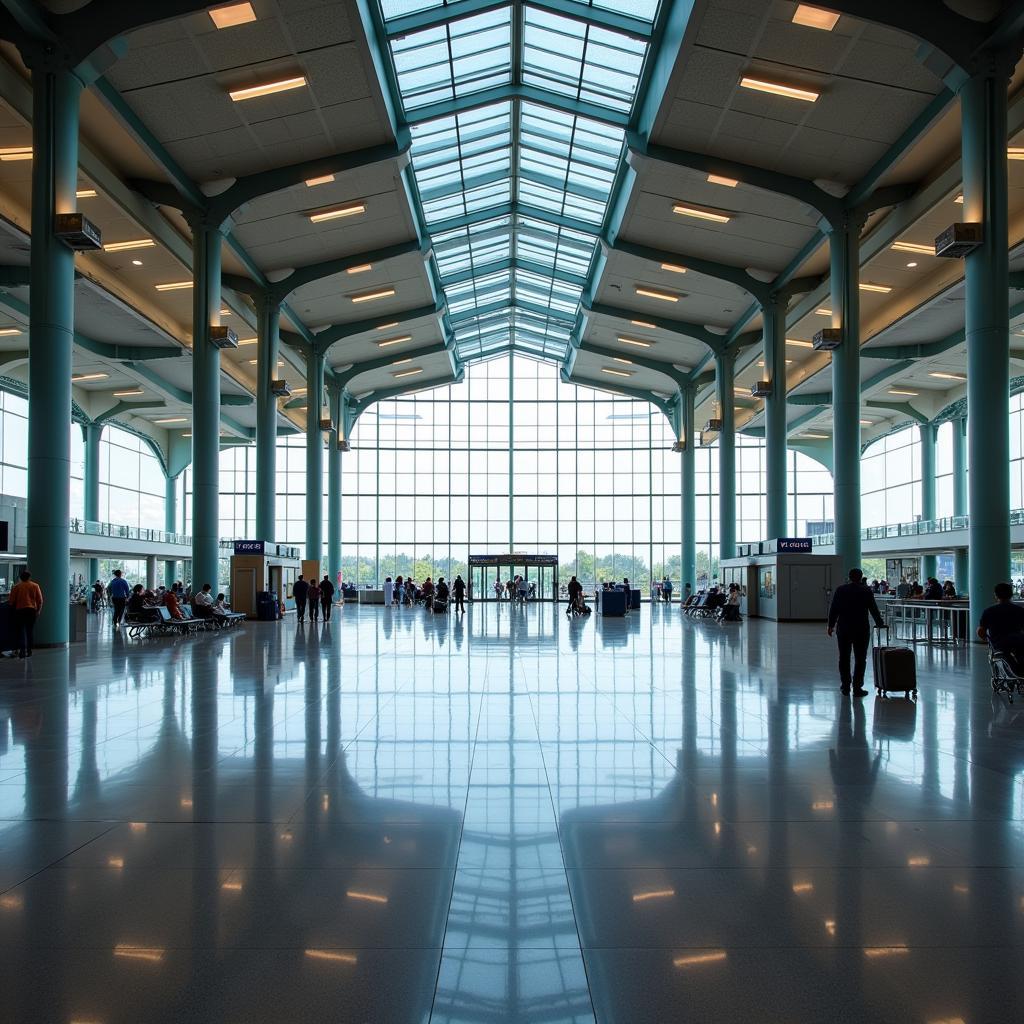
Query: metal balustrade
(946, 524)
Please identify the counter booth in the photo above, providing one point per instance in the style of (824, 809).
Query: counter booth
(540, 572)
(259, 566)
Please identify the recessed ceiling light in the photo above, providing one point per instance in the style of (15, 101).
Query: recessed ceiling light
(86, 193)
(906, 394)
(799, 344)
(338, 212)
(616, 373)
(924, 250)
(718, 179)
(822, 311)
(232, 14)
(361, 269)
(267, 88)
(173, 419)
(408, 373)
(699, 214)
(324, 179)
(136, 263)
(673, 268)
(959, 199)
(173, 286)
(380, 293)
(9, 332)
(131, 393)
(394, 341)
(16, 153)
(790, 92)
(947, 376)
(651, 293)
(79, 377)
(867, 423)
(814, 17)
(636, 342)
(912, 264)
(643, 323)
(134, 243)
(882, 289)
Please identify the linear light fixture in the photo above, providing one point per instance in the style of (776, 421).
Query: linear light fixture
(1015, 152)
(133, 393)
(635, 342)
(173, 419)
(173, 286)
(361, 269)
(719, 179)
(386, 327)
(924, 250)
(86, 193)
(402, 362)
(907, 394)
(380, 293)
(872, 952)
(814, 437)
(947, 376)
(298, 391)
(255, 362)
(789, 92)
(324, 179)
(367, 897)
(696, 212)
(653, 894)
(150, 953)
(822, 311)
(673, 268)
(693, 959)
(760, 362)
(9, 332)
(616, 373)
(882, 289)
(643, 323)
(388, 342)
(651, 293)
(959, 199)
(232, 14)
(620, 359)
(407, 373)
(867, 423)
(134, 243)
(80, 377)
(797, 343)
(337, 213)
(13, 153)
(248, 341)
(814, 17)
(252, 92)
(331, 954)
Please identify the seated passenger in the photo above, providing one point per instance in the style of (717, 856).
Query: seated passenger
(202, 602)
(949, 589)
(933, 591)
(220, 608)
(1002, 624)
(172, 606)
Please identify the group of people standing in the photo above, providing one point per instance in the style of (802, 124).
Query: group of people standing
(403, 590)
(313, 597)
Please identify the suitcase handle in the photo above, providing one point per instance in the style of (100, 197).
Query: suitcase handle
(879, 630)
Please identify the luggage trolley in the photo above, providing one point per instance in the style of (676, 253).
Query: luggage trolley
(1004, 676)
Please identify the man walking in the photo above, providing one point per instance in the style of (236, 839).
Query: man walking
(26, 601)
(459, 590)
(119, 592)
(326, 596)
(300, 591)
(852, 603)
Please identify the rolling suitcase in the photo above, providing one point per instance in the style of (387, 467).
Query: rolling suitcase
(895, 668)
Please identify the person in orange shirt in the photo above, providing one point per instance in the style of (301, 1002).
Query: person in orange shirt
(26, 601)
(171, 604)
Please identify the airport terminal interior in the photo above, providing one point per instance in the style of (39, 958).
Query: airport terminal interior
(439, 431)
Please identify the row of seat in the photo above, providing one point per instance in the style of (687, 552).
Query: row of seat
(160, 622)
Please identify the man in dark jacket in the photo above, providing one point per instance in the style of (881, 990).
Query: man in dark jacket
(326, 596)
(459, 590)
(300, 591)
(852, 603)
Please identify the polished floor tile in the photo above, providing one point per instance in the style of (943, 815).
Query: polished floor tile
(406, 819)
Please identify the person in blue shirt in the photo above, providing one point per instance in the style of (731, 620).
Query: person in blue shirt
(119, 592)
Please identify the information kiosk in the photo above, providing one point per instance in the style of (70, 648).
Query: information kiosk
(258, 566)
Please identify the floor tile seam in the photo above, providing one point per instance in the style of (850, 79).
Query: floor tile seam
(55, 862)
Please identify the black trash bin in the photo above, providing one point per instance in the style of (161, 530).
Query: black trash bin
(267, 608)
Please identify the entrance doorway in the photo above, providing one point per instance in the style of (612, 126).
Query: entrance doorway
(540, 572)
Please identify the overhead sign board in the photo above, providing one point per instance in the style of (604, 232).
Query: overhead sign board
(793, 544)
(249, 547)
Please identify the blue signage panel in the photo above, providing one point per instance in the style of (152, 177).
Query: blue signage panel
(793, 544)
(249, 547)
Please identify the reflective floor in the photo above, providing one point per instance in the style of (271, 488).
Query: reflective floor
(397, 817)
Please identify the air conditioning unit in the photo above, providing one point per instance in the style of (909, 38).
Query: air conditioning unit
(326, 423)
(280, 388)
(223, 337)
(343, 445)
(708, 437)
(77, 232)
(828, 339)
(679, 446)
(958, 240)
(713, 426)
(762, 389)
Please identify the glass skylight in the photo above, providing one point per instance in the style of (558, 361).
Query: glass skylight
(514, 184)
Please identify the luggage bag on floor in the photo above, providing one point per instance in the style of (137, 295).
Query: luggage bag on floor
(895, 668)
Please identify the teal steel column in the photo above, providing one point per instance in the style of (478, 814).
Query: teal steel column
(170, 523)
(961, 564)
(334, 491)
(688, 569)
(206, 267)
(92, 432)
(267, 332)
(776, 445)
(314, 456)
(927, 489)
(55, 97)
(984, 130)
(844, 258)
(725, 365)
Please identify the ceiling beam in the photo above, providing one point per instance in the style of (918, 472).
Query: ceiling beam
(696, 332)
